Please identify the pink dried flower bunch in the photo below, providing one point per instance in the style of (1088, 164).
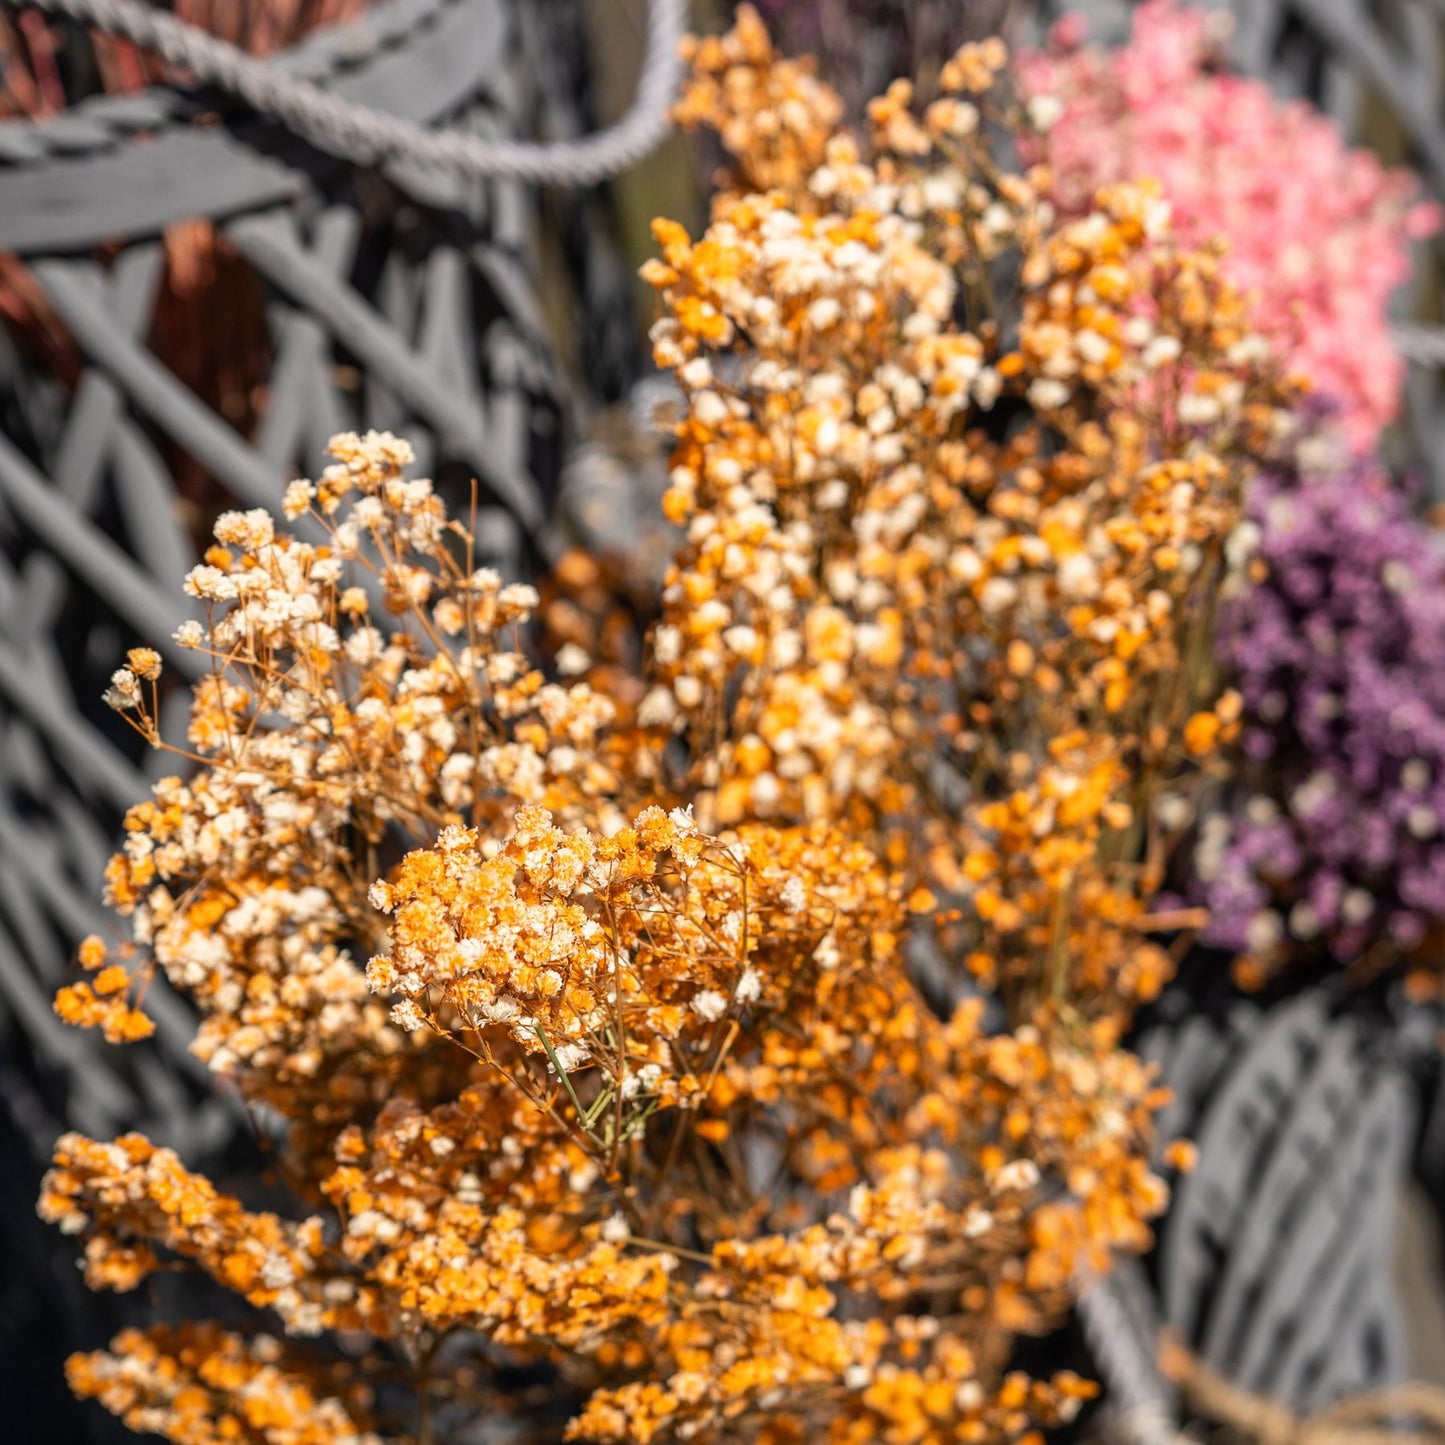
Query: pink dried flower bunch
(1317, 230)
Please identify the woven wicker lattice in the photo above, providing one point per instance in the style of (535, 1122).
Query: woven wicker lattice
(1276, 1257)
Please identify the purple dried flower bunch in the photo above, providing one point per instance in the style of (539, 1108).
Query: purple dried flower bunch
(1333, 844)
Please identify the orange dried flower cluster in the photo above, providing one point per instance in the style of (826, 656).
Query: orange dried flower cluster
(659, 1104)
(200, 1385)
(772, 114)
(132, 1191)
(587, 1004)
(246, 885)
(104, 1003)
(925, 570)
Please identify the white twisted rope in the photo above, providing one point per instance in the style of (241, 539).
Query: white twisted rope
(369, 136)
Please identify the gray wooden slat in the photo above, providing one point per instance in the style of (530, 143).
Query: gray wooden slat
(1351, 30)
(1322, 1111)
(148, 505)
(1303, 1283)
(91, 756)
(1246, 1113)
(1343, 96)
(1374, 1352)
(26, 919)
(19, 146)
(325, 417)
(48, 892)
(25, 763)
(510, 206)
(174, 719)
(41, 592)
(90, 423)
(303, 356)
(387, 354)
(508, 281)
(138, 190)
(1320, 1368)
(124, 113)
(506, 405)
(86, 846)
(154, 611)
(499, 541)
(395, 304)
(298, 389)
(79, 302)
(77, 134)
(1188, 1058)
(446, 321)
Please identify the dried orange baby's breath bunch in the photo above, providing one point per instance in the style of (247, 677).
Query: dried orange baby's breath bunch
(357, 693)
(957, 482)
(773, 115)
(612, 1106)
(207, 1386)
(578, 1085)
